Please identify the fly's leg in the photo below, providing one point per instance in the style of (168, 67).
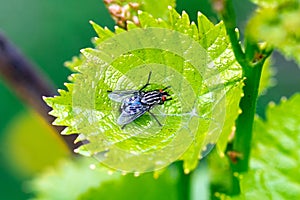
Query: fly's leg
(154, 118)
(123, 126)
(166, 88)
(149, 76)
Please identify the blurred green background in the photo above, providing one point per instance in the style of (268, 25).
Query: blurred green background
(49, 33)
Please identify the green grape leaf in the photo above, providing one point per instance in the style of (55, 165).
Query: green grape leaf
(76, 175)
(136, 188)
(62, 109)
(85, 180)
(157, 8)
(76, 61)
(214, 39)
(274, 165)
(198, 64)
(232, 111)
(279, 27)
(270, 3)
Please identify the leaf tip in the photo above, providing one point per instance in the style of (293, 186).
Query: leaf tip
(92, 166)
(110, 172)
(160, 20)
(187, 171)
(45, 98)
(136, 174)
(116, 27)
(155, 175)
(240, 111)
(272, 104)
(48, 101)
(139, 12)
(82, 51)
(91, 22)
(60, 90)
(222, 154)
(283, 99)
(130, 22)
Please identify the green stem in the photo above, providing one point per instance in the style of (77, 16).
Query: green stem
(244, 122)
(251, 61)
(228, 16)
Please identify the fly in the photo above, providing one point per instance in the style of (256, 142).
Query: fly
(135, 103)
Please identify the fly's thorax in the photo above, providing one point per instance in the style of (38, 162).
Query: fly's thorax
(132, 100)
(151, 98)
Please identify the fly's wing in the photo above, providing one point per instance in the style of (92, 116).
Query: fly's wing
(119, 95)
(135, 112)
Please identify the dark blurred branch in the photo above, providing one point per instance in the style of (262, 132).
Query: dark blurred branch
(28, 83)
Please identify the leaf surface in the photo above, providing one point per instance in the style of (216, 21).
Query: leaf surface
(277, 23)
(198, 64)
(275, 155)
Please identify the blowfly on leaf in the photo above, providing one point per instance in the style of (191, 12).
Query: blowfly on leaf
(135, 103)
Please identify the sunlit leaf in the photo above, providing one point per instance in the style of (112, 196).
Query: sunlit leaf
(136, 188)
(271, 3)
(68, 180)
(81, 179)
(275, 162)
(198, 64)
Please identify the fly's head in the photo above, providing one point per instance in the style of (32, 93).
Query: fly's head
(164, 95)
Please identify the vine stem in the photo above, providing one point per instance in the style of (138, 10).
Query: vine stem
(28, 84)
(251, 61)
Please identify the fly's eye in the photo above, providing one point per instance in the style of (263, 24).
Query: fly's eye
(163, 98)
